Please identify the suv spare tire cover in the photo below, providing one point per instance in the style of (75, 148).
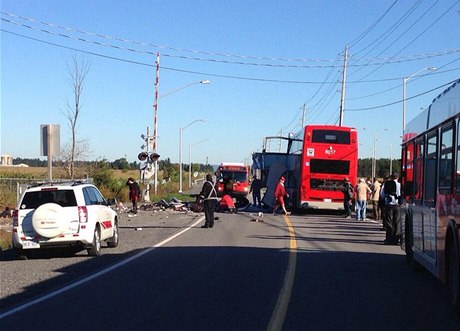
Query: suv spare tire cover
(48, 220)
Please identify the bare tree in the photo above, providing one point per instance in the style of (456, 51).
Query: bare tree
(77, 149)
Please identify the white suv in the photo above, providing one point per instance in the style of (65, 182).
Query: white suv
(63, 214)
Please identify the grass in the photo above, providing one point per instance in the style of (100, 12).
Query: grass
(5, 240)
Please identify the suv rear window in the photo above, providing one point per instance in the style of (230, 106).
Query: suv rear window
(34, 199)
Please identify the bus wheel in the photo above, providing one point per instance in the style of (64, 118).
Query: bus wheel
(453, 281)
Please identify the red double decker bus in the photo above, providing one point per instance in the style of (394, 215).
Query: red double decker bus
(328, 155)
(430, 226)
(317, 160)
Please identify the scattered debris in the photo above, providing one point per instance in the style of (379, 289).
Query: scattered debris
(256, 220)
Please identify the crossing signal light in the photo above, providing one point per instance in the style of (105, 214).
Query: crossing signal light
(154, 157)
(142, 156)
(149, 157)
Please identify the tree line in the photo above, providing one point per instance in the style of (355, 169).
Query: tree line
(171, 170)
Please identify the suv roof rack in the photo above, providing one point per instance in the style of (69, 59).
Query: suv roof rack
(72, 182)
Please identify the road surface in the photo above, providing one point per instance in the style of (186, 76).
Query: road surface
(301, 272)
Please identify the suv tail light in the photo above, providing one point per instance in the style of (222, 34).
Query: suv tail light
(15, 220)
(82, 214)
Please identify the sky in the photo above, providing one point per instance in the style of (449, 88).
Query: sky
(272, 66)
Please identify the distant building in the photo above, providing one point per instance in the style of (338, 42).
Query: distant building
(6, 160)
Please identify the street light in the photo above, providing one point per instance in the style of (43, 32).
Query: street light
(374, 160)
(405, 79)
(190, 160)
(180, 150)
(391, 159)
(155, 136)
(183, 87)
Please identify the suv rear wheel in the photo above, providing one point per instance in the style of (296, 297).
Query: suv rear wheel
(95, 249)
(113, 242)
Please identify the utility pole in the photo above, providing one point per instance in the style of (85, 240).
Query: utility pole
(342, 98)
(155, 122)
(303, 115)
(281, 141)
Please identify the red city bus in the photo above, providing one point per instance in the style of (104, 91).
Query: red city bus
(430, 226)
(237, 174)
(328, 155)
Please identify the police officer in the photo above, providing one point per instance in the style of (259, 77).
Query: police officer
(209, 196)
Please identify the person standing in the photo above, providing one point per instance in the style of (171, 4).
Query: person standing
(280, 193)
(347, 197)
(391, 193)
(134, 193)
(256, 186)
(209, 196)
(362, 190)
(375, 196)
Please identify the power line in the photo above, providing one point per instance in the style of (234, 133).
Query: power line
(399, 101)
(368, 30)
(153, 53)
(188, 71)
(413, 40)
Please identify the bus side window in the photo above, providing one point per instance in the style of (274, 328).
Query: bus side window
(429, 179)
(418, 171)
(446, 161)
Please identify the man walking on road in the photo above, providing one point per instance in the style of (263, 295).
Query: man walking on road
(209, 196)
(256, 186)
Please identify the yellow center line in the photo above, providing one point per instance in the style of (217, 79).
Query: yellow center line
(279, 313)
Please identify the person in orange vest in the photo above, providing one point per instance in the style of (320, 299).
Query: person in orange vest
(227, 204)
(280, 193)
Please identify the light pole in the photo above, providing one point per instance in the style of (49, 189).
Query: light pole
(391, 159)
(155, 136)
(180, 150)
(405, 79)
(190, 160)
(374, 159)
(205, 81)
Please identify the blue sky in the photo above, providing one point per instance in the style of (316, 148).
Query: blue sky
(265, 60)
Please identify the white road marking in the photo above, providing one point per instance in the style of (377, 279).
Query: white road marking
(96, 275)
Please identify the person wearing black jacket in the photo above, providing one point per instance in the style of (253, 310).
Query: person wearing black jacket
(134, 193)
(391, 192)
(209, 196)
(348, 194)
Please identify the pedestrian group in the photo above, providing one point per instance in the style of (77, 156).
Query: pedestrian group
(386, 204)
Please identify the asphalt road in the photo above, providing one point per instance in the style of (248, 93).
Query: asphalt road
(305, 272)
